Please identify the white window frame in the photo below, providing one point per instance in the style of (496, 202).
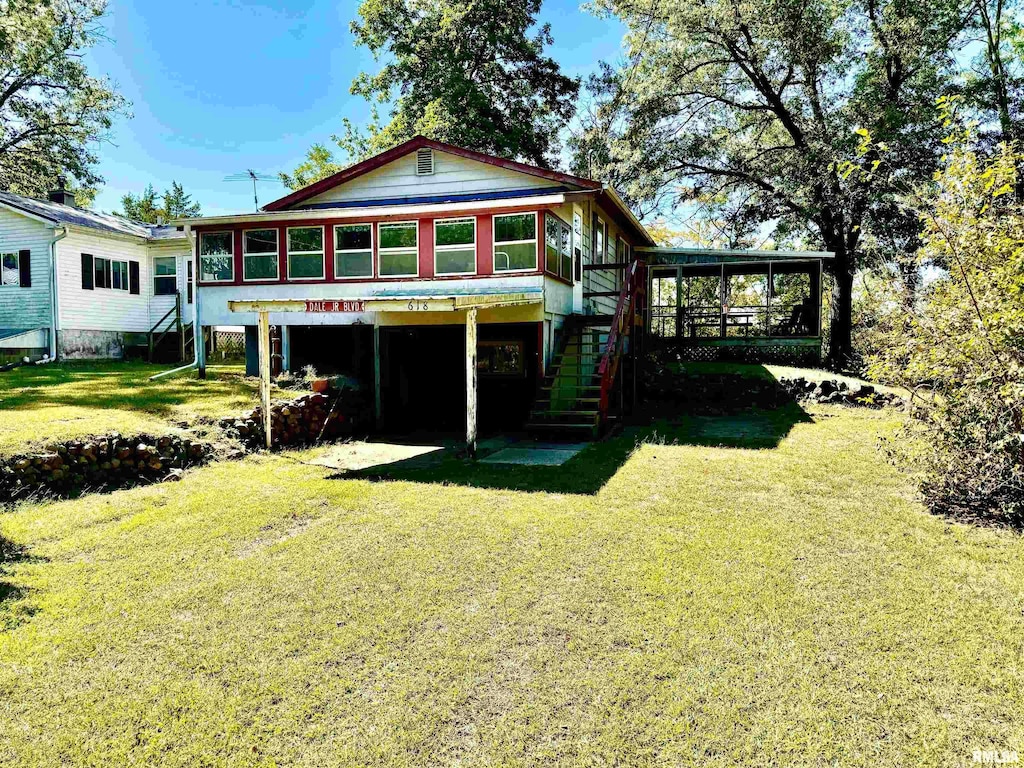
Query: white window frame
(444, 248)
(602, 257)
(164, 277)
(373, 260)
(322, 252)
(126, 283)
(17, 269)
(494, 244)
(111, 262)
(216, 255)
(381, 252)
(277, 256)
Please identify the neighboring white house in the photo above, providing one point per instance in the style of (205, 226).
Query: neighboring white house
(80, 284)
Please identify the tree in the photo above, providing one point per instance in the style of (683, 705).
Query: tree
(470, 74)
(997, 85)
(762, 101)
(51, 109)
(145, 207)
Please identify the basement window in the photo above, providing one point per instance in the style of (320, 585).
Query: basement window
(424, 162)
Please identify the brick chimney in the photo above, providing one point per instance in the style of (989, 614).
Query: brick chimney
(61, 195)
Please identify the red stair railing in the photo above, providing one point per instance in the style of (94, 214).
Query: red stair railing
(622, 323)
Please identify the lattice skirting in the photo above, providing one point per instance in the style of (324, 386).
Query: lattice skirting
(787, 354)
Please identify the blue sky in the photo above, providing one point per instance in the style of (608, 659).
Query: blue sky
(218, 86)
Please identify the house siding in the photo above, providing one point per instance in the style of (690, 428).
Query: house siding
(452, 175)
(27, 308)
(102, 309)
(160, 305)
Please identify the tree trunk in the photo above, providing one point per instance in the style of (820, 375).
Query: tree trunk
(840, 355)
(840, 347)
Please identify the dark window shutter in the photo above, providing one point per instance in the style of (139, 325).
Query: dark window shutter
(87, 273)
(25, 268)
(133, 277)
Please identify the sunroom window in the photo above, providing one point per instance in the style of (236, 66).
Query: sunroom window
(557, 247)
(398, 246)
(216, 260)
(455, 246)
(259, 254)
(353, 250)
(305, 253)
(515, 242)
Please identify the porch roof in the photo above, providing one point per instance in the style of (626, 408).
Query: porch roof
(705, 256)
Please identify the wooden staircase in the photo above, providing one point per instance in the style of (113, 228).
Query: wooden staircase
(171, 324)
(583, 389)
(568, 404)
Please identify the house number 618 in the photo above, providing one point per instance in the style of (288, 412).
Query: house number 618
(415, 305)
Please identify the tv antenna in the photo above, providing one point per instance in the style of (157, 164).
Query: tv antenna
(251, 175)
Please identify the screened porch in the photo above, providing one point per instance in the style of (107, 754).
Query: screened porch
(735, 304)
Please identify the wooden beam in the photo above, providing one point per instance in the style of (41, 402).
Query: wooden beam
(471, 383)
(421, 303)
(376, 377)
(263, 338)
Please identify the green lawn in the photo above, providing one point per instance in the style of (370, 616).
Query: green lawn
(61, 402)
(680, 604)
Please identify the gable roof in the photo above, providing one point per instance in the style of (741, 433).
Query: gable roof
(57, 213)
(419, 142)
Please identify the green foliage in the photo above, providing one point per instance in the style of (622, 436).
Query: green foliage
(759, 103)
(962, 345)
(176, 204)
(51, 109)
(470, 74)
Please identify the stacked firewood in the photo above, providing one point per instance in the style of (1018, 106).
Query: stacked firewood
(106, 462)
(307, 419)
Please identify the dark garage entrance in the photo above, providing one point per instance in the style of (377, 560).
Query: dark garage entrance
(423, 376)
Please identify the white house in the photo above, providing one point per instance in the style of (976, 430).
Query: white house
(81, 284)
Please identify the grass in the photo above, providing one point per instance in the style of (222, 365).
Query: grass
(40, 404)
(692, 605)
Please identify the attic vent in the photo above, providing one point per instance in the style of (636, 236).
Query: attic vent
(424, 162)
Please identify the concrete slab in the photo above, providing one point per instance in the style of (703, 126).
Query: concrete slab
(544, 455)
(360, 455)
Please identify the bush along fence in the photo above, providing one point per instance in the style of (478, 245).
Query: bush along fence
(101, 463)
(114, 461)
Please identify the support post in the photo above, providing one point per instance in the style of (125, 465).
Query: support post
(286, 347)
(376, 376)
(178, 326)
(471, 383)
(199, 339)
(263, 337)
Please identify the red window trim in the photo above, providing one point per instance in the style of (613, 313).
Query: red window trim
(485, 245)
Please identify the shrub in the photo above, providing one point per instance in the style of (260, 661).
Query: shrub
(961, 348)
